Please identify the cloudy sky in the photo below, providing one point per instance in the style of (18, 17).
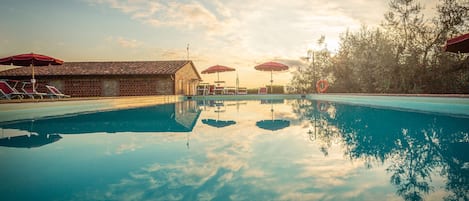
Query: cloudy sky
(239, 34)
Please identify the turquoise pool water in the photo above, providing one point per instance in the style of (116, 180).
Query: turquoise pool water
(280, 149)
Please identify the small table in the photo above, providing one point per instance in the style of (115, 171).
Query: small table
(219, 82)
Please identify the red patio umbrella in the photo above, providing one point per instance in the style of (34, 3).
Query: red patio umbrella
(271, 66)
(32, 60)
(458, 44)
(217, 69)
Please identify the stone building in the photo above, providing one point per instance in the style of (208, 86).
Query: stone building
(121, 78)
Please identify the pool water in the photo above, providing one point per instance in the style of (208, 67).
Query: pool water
(237, 150)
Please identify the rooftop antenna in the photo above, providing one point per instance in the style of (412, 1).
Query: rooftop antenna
(187, 51)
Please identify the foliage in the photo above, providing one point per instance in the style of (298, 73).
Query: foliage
(404, 55)
(277, 89)
(305, 78)
(412, 151)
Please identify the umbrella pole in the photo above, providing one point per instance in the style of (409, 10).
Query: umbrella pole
(33, 81)
(271, 82)
(237, 84)
(218, 79)
(32, 66)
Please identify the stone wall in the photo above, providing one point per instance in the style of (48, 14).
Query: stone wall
(83, 87)
(186, 80)
(109, 86)
(145, 86)
(120, 86)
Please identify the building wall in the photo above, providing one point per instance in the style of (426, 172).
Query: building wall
(110, 86)
(144, 86)
(186, 80)
(83, 87)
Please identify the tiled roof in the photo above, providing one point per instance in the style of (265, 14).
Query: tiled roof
(102, 68)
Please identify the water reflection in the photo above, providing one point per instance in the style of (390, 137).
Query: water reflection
(29, 141)
(219, 108)
(387, 154)
(177, 117)
(272, 124)
(415, 145)
(218, 123)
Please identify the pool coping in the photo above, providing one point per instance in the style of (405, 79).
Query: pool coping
(452, 104)
(444, 104)
(435, 104)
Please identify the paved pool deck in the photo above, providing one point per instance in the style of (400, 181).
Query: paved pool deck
(13, 110)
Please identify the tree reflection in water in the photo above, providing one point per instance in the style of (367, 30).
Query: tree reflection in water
(416, 145)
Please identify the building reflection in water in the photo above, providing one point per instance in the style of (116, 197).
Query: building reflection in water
(176, 117)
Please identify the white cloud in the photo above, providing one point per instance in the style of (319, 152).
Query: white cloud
(184, 15)
(243, 34)
(130, 43)
(123, 42)
(268, 28)
(126, 148)
(245, 163)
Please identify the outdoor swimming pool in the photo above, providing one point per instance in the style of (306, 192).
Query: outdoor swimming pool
(271, 149)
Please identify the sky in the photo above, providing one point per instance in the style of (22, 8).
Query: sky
(235, 33)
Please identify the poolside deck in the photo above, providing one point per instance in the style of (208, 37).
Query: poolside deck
(11, 110)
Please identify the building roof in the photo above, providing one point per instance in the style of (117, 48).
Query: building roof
(103, 68)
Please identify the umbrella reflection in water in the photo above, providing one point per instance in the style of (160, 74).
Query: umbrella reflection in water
(272, 124)
(29, 141)
(217, 122)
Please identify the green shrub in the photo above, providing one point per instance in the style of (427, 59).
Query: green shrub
(277, 89)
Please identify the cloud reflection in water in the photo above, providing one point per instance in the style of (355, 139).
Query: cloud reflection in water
(340, 153)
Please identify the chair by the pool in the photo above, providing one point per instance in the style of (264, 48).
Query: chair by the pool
(8, 92)
(242, 91)
(211, 90)
(203, 89)
(28, 90)
(262, 90)
(54, 92)
(230, 90)
(219, 90)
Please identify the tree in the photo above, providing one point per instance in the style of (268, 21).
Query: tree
(317, 64)
(403, 55)
(363, 62)
(450, 72)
